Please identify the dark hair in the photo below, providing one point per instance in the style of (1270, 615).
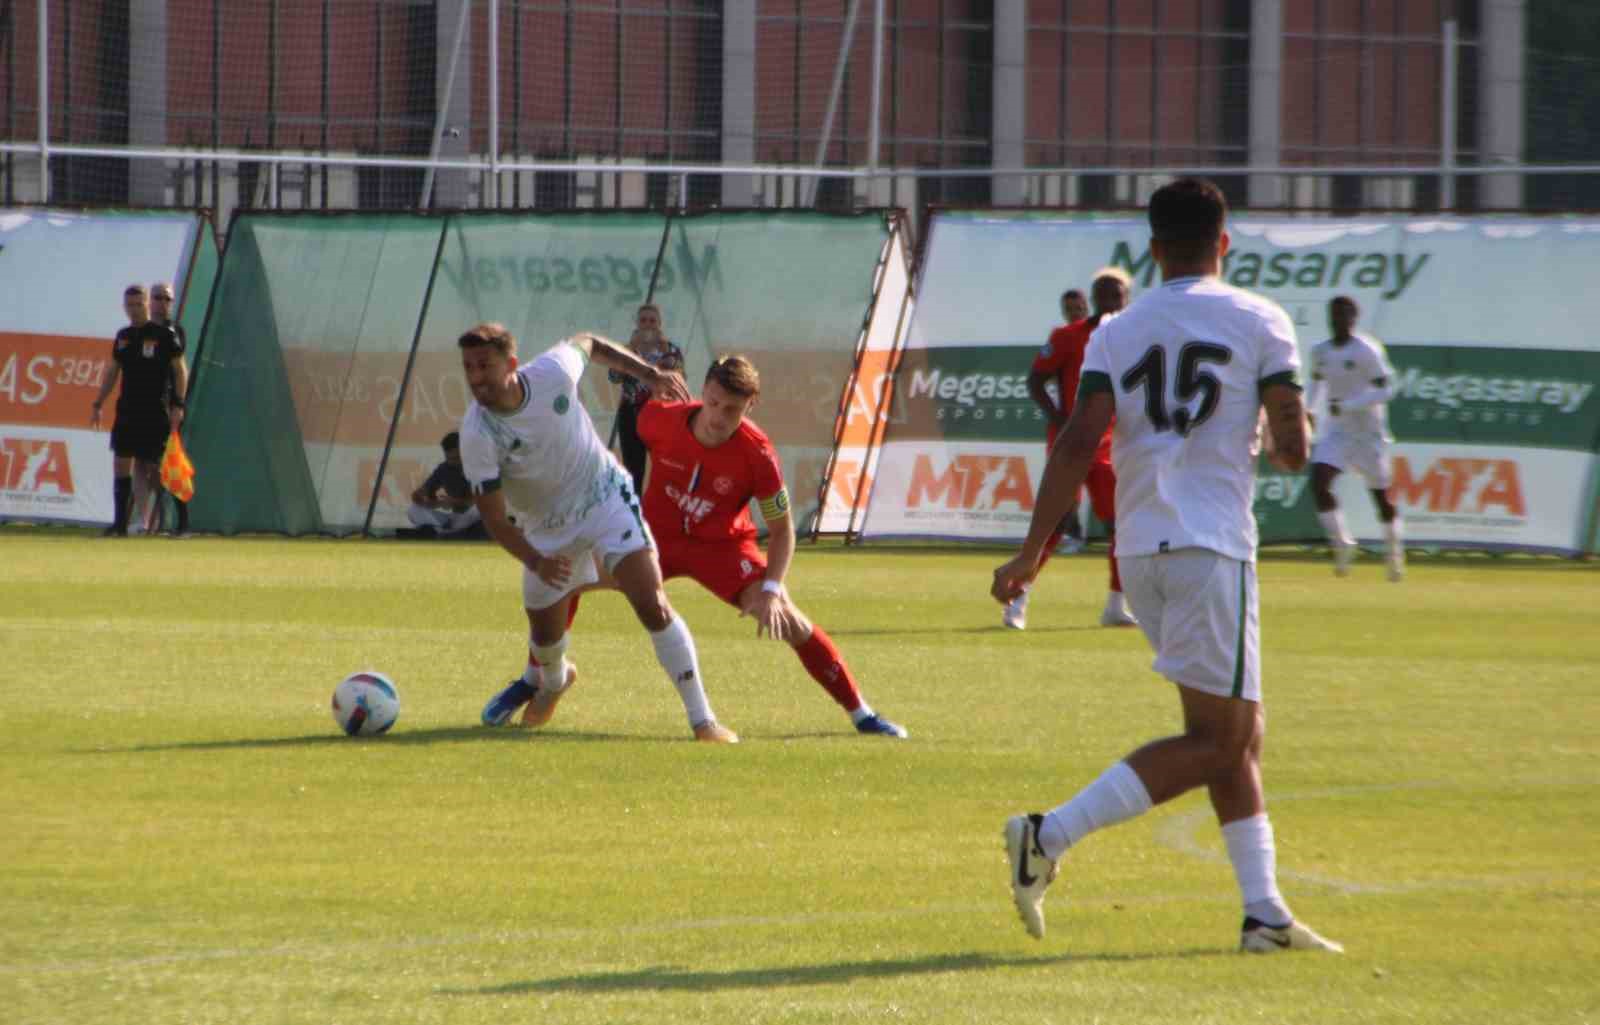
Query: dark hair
(490, 333)
(737, 374)
(451, 441)
(1345, 300)
(1072, 293)
(1189, 210)
(133, 290)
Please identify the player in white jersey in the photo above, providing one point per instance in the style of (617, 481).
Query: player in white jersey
(529, 450)
(1185, 371)
(1354, 435)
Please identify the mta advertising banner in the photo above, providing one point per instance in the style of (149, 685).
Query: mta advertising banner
(60, 308)
(1495, 414)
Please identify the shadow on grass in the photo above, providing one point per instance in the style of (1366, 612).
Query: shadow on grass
(404, 738)
(670, 978)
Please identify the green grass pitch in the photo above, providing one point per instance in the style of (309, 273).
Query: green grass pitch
(184, 836)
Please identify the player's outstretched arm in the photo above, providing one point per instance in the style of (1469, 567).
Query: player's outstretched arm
(1064, 473)
(1288, 447)
(769, 604)
(612, 356)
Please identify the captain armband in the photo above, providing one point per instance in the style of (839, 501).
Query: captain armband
(776, 507)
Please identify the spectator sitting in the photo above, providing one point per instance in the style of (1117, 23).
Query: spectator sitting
(442, 507)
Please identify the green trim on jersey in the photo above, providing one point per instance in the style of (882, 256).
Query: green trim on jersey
(1282, 377)
(1093, 381)
(1244, 617)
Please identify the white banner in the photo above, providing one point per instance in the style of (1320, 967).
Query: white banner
(50, 473)
(60, 307)
(1481, 495)
(1496, 361)
(970, 491)
(1502, 282)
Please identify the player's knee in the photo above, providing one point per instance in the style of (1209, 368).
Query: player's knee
(653, 610)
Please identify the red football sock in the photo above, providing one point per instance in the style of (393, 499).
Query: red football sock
(823, 661)
(1111, 553)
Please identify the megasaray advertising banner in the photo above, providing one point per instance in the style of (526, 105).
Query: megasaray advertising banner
(1495, 413)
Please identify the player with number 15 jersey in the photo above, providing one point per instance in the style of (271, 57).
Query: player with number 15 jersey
(1191, 354)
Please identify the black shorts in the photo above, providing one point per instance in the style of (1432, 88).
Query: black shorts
(140, 436)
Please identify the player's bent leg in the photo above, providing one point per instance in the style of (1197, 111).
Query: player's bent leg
(1340, 542)
(547, 645)
(639, 577)
(1393, 536)
(824, 663)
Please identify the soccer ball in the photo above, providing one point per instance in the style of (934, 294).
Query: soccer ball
(365, 703)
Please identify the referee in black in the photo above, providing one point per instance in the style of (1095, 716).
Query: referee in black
(161, 300)
(148, 359)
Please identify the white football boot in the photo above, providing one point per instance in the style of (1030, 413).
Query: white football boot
(1117, 612)
(1031, 871)
(1257, 937)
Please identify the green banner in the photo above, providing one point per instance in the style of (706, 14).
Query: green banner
(967, 393)
(1538, 398)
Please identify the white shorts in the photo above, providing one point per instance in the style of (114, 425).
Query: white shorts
(611, 531)
(1366, 454)
(1200, 612)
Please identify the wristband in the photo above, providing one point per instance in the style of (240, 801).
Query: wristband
(772, 586)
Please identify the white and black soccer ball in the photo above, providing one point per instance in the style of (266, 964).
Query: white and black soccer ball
(366, 704)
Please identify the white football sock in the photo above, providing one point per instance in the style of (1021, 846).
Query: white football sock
(860, 712)
(675, 651)
(1392, 532)
(1255, 865)
(552, 660)
(1118, 795)
(1333, 525)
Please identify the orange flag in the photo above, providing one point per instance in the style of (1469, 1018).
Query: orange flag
(177, 473)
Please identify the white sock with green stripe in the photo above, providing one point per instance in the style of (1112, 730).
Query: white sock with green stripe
(1117, 796)
(676, 652)
(1254, 855)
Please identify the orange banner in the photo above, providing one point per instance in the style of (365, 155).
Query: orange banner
(52, 380)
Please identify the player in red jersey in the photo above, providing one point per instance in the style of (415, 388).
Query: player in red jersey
(1061, 359)
(706, 463)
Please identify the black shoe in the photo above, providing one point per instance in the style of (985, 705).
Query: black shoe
(114, 531)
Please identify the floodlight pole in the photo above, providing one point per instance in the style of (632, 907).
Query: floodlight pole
(873, 131)
(44, 101)
(833, 97)
(444, 107)
(1447, 114)
(494, 98)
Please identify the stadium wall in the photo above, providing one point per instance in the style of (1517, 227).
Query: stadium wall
(64, 272)
(1496, 417)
